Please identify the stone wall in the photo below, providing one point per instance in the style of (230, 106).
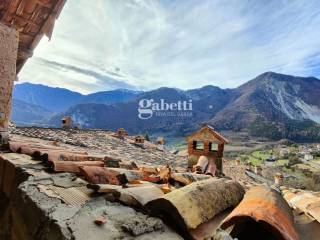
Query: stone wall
(37, 205)
(8, 58)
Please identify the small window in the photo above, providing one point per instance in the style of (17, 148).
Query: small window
(64, 121)
(213, 147)
(194, 144)
(199, 146)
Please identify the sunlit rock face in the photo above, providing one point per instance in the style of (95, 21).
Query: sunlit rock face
(270, 104)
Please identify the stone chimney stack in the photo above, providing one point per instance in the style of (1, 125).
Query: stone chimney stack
(139, 139)
(249, 166)
(66, 122)
(278, 179)
(8, 58)
(121, 133)
(258, 170)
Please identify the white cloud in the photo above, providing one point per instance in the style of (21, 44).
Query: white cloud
(184, 44)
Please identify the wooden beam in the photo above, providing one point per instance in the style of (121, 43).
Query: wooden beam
(25, 53)
(44, 3)
(25, 20)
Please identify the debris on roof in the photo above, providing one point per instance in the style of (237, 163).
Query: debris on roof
(304, 201)
(100, 220)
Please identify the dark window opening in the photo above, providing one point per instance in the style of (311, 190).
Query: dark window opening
(64, 121)
(213, 147)
(194, 144)
(198, 145)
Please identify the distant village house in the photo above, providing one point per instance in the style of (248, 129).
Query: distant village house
(308, 157)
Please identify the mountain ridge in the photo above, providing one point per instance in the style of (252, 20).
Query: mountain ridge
(269, 101)
(58, 99)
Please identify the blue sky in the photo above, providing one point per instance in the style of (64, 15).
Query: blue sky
(145, 44)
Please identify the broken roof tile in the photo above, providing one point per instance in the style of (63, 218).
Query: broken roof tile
(304, 201)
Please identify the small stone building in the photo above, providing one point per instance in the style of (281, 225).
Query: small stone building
(66, 122)
(206, 142)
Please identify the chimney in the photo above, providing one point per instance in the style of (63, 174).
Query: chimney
(66, 122)
(139, 139)
(278, 179)
(258, 170)
(249, 166)
(121, 133)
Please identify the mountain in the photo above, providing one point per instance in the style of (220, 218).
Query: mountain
(206, 102)
(271, 105)
(209, 99)
(60, 99)
(29, 114)
(53, 99)
(275, 106)
(110, 97)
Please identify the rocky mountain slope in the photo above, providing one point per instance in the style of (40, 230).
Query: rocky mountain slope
(275, 106)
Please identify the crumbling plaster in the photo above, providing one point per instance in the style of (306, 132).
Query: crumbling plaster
(8, 57)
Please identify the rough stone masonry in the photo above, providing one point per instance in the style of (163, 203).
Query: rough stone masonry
(8, 57)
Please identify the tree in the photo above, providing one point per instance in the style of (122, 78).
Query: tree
(146, 136)
(244, 158)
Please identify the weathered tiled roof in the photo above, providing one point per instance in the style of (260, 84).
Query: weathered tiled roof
(103, 142)
(200, 135)
(304, 201)
(32, 19)
(177, 196)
